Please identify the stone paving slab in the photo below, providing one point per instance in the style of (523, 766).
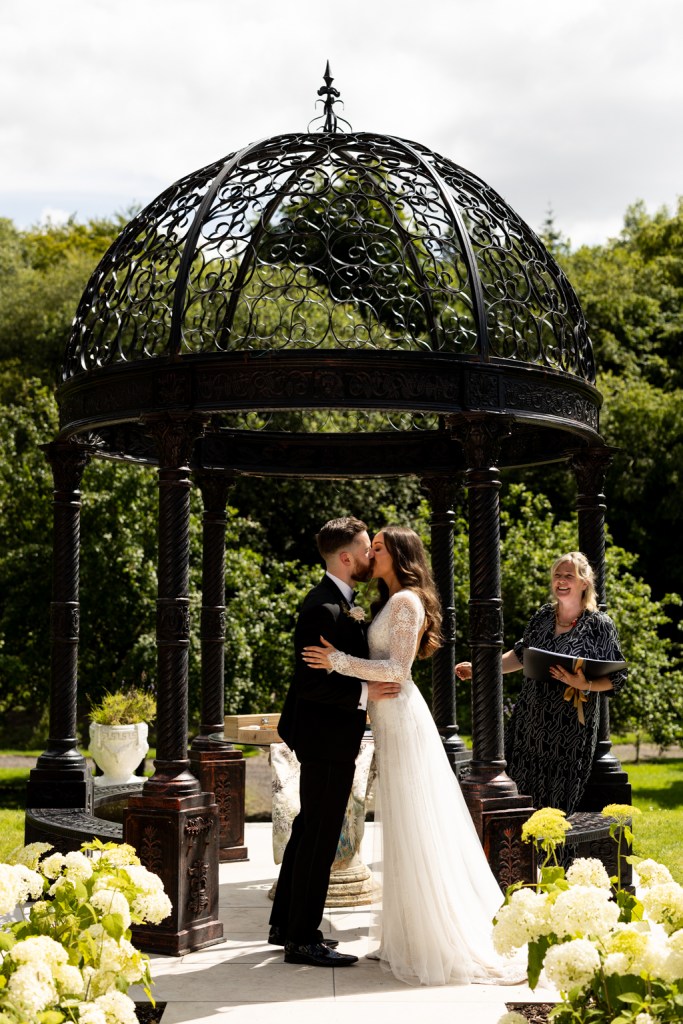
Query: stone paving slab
(243, 980)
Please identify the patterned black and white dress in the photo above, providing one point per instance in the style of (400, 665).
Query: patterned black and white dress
(549, 753)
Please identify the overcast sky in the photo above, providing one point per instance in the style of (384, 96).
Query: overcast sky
(575, 104)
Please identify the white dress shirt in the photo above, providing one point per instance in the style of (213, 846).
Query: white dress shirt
(347, 592)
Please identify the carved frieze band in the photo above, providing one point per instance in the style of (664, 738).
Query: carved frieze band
(65, 621)
(486, 624)
(198, 898)
(255, 384)
(550, 400)
(212, 623)
(173, 621)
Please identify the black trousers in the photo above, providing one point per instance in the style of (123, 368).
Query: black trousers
(299, 902)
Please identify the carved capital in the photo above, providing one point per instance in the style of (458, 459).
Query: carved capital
(481, 440)
(68, 462)
(590, 467)
(174, 437)
(441, 491)
(215, 489)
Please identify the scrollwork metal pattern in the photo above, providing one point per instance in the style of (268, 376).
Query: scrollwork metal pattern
(330, 240)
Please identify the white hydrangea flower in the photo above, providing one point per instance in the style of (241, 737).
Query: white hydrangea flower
(118, 1008)
(91, 1013)
(615, 963)
(664, 903)
(512, 1017)
(118, 856)
(143, 879)
(583, 910)
(77, 866)
(670, 968)
(121, 959)
(52, 866)
(571, 964)
(9, 888)
(632, 941)
(651, 872)
(106, 882)
(32, 988)
(29, 855)
(152, 907)
(29, 882)
(646, 1018)
(112, 901)
(68, 979)
(39, 949)
(588, 871)
(522, 920)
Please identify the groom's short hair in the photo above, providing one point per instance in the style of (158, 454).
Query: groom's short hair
(337, 534)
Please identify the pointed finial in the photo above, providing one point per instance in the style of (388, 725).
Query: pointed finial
(329, 117)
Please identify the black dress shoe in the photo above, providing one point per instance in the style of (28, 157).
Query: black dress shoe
(317, 954)
(276, 938)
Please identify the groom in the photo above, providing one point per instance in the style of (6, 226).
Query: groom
(323, 721)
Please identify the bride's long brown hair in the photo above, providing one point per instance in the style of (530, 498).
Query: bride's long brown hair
(412, 571)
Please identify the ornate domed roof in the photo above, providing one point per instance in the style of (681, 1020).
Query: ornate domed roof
(320, 253)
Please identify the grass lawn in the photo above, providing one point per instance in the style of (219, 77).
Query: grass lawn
(658, 793)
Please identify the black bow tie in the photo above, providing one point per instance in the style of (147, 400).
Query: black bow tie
(352, 599)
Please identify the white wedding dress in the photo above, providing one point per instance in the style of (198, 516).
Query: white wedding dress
(439, 895)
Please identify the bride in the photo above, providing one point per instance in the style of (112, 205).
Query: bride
(439, 895)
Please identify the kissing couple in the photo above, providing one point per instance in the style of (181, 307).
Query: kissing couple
(439, 895)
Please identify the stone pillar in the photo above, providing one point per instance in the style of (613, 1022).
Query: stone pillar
(173, 824)
(497, 809)
(441, 491)
(608, 782)
(62, 777)
(214, 761)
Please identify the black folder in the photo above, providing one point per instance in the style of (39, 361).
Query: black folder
(537, 663)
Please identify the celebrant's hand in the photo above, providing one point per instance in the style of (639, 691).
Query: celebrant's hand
(318, 657)
(463, 670)
(575, 679)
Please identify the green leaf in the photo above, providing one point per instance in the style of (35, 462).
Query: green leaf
(536, 955)
(113, 926)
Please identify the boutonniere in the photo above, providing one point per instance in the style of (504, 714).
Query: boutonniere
(356, 613)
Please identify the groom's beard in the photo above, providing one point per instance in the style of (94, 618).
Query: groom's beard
(362, 573)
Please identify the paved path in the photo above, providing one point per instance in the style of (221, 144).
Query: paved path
(243, 980)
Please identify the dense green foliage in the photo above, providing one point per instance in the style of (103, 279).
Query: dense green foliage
(632, 290)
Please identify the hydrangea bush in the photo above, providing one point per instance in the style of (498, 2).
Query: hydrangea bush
(70, 957)
(615, 958)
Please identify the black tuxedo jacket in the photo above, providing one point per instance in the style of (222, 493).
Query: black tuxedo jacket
(320, 720)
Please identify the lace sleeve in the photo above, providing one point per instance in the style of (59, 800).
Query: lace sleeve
(406, 617)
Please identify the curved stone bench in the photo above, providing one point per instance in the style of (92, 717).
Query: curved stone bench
(66, 828)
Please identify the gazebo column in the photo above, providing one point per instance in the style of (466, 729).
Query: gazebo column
(214, 761)
(173, 824)
(497, 809)
(62, 777)
(441, 491)
(608, 781)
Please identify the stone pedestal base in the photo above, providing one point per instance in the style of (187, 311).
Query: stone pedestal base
(222, 771)
(352, 885)
(56, 786)
(177, 839)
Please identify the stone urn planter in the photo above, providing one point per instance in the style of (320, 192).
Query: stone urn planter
(118, 735)
(117, 750)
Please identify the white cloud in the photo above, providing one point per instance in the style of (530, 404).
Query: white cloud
(579, 104)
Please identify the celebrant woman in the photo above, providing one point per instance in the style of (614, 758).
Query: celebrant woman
(551, 737)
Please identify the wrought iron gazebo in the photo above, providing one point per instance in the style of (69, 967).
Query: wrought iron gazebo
(328, 304)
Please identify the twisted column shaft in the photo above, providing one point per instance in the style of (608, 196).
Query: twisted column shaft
(215, 490)
(68, 463)
(590, 467)
(441, 492)
(174, 439)
(482, 480)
